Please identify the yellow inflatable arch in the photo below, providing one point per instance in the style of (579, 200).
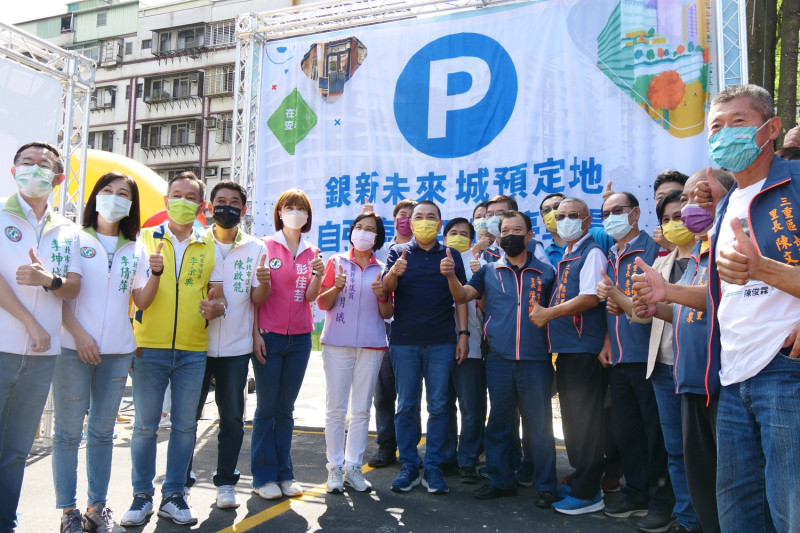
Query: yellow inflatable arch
(152, 187)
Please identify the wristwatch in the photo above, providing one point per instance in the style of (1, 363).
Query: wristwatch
(55, 284)
(464, 332)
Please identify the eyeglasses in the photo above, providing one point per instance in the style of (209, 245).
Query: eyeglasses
(574, 216)
(546, 210)
(620, 209)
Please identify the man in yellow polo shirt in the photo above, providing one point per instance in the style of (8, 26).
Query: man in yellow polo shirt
(175, 298)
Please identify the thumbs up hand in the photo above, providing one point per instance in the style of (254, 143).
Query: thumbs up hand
(738, 263)
(399, 266)
(703, 192)
(447, 266)
(650, 286)
(156, 260)
(317, 265)
(608, 191)
(605, 287)
(341, 278)
(34, 274)
(263, 271)
(377, 287)
(211, 308)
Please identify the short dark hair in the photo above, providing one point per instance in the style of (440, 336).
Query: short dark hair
(629, 195)
(47, 146)
(459, 220)
(482, 204)
(289, 197)
(672, 196)
(380, 233)
(760, 99)
(789, 153)
(128, 226)
(512, 204)
(191, 176)
(512, 214)
(228, 184)
(669, 176)
(402, 204)
(551, 195)
(427, 202)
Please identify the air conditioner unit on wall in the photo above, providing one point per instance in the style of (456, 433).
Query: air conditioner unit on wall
(211, 123)
(210, 172)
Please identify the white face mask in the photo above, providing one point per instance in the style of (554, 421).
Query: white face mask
(569, 229)
(294, 219)
(493, 225)
(363, 241)
(34, 181)
(111, 207)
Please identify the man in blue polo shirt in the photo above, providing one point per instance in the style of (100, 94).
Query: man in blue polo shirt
(423, 344)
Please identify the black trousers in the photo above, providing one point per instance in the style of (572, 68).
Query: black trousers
(639, 438)
(700, 457)
(581, 394)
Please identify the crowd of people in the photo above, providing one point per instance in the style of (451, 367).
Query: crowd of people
(677, 355)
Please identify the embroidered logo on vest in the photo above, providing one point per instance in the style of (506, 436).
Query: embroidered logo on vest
(13, 234)
(275, 263)
(88, 252)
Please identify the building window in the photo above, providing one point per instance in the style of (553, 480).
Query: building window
(101, 140)
(103, 97)
(102, 16)
(125, 137)
(127, 92)
(152, 136)
(139, 90)
(225, 173)
(224, 129)
(128, 49)
(175, 87)
(191, 38)
(220, 33)
(137, 136)
(92, 52)
(146, 44)
(164, 42)
(219, 80)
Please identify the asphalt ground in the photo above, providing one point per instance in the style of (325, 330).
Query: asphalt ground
(381, 511)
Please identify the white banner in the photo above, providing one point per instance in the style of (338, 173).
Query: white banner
(30, 110)
(525, 100)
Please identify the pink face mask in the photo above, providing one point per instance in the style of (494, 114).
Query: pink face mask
(403, 226)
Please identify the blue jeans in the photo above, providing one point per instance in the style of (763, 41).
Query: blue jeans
(758, 454)
(278, 383)
(79, 387)
(669, 412)
(527, 384)
(230, 374)
(184, 371)
(24, 384)
(468, 385)
(412, 363)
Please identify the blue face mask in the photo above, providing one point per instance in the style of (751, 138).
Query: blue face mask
(735, 149)
(617, 226)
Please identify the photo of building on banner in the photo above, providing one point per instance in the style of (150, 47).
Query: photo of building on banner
(524, 100)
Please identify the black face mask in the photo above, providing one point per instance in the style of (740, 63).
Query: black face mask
(513, 245)
(227, 216)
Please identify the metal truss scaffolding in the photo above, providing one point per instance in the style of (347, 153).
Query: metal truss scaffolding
(76, 74)
(253, 30)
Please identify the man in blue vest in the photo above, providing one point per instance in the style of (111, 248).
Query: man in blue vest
(633, 404)
(576, 329)
(519, 371)
(754, 305)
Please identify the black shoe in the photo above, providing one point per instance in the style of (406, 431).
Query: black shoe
(681, 529)
(545, 499)
(625, 509)
(656, 522)
(450, 469)
(483, 471)
(489, 492)
(468, 475)
(383, 457)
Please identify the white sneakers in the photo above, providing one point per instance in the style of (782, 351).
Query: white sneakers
(176, 508)
(226, 497)
(270, 491)
(335, 476)
(140, 509)
(354, 478)
(291, 488)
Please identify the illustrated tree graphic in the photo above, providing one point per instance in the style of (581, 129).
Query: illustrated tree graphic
(665, 92)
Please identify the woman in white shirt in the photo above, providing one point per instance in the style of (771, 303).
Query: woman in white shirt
(97, 348)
